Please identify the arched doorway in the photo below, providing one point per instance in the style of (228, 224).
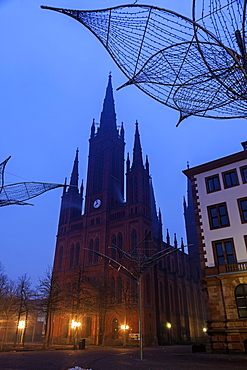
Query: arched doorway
(115, 328)
(245, 346)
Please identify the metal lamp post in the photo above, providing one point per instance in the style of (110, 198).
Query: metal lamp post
(75, 325)
(140, 264)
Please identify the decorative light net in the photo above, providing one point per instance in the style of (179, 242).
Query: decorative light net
(196, 66)
(19, 193)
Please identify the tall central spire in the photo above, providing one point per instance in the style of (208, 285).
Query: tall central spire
(108, 114)
(137, 151)
(74, 175)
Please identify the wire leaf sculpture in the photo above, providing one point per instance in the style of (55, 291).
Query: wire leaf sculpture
(19, 193)
(2, 168)
(196, 66)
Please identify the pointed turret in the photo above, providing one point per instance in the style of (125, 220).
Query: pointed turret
(190, 227)
(137, 151)
(154, 215)
(93, 129)
(182, 244)
(122, 132)
(65, 186)
(73, 186)
(147, 165)
(168, 241)
(128, 163)
(71, 205)
(108, 114)
(175, 241)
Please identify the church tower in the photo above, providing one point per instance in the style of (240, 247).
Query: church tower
(191, 232)
(71, 206)
(105, 178)
(92, 241)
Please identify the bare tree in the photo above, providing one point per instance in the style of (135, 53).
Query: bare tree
(78, 299)
(103, 300)
(50, 298)
(24, 295)
(8, 302)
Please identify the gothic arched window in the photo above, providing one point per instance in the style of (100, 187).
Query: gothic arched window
(90, 252)
(113, 244)
(147, 243)
(161, 298)
(71, 261)
(112, 290)
(134, 291)
(148, 290)
(131, 191)
(135, 190)
(77, 254)
(120, 245)
(133, 239)
(115, 329)
(96, 256)
(171, 299)
(60, 257)
(119, 290)
(241, 300)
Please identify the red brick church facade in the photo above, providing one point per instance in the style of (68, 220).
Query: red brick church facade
(96, 294)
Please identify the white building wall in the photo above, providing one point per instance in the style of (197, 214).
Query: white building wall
(236, 230)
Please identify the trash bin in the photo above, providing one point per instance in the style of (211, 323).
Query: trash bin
(82, 343)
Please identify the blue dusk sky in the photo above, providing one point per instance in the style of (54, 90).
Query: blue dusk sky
(53, 77)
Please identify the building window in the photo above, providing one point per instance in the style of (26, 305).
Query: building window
(90, 252)
(134, 292)
(113, 290)
(230, 179)
(241, 300)
(119, 290)
(60, 257)
(133, 239)
(245, 240)
(120, 245)
(96, 256)
(244, 174)
(77, 254)
(113, 248)
(148, 289)
(213, 183)
(242, 205)
(218, 216)
(71, 262)
(161, 298)
(115, 329)
(224, 252)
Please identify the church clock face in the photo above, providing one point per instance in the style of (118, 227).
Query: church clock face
(97, 203)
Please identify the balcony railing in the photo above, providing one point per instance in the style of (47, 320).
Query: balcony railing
(241, 266)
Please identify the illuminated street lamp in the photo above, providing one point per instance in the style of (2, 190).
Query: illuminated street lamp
(21, 326)
(204, 330)
(169, 326)
(124, 328)
(75, 325)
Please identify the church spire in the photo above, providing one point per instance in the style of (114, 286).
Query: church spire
(73, 186)
(137, 151)
(108, 115)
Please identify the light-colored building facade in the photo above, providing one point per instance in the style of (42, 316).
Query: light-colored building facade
(219, 191)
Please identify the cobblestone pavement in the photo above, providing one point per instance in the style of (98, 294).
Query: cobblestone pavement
(98, 358)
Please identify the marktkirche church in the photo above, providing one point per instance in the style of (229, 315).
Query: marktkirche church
(117, 220)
